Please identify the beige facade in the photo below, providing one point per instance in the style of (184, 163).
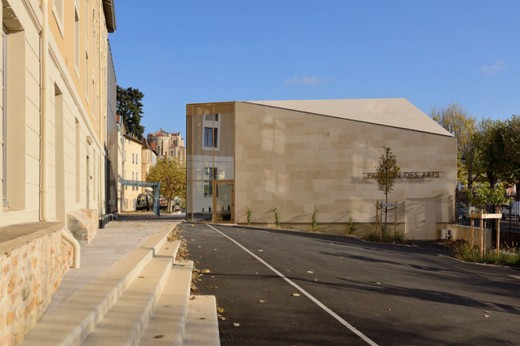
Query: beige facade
(168, 145)
(318, 157)
(133, 149)
(54, 75)
(53, 123)
(149, 159)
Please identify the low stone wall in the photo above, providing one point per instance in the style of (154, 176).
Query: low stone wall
(32, 266)
(461, 232)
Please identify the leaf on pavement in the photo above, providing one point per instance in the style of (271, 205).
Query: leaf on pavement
(236, 324)
(295, 294)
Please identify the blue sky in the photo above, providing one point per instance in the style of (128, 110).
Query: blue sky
(431, 52)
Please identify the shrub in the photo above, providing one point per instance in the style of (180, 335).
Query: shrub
(249, 215)
(465, 252)
(276, 217)
(314, 221)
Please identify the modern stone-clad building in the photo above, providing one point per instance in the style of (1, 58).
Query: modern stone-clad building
(280, 162)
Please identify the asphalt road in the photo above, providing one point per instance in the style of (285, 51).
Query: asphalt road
(285, 288)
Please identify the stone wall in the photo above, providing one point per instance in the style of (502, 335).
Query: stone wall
(31, 272)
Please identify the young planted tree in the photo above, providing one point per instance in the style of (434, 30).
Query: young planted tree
(386, 173)
(172, 176)
(129, 106)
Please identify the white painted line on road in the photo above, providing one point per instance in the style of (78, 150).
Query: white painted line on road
(304, 292)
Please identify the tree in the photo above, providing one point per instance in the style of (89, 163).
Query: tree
(129, 106)
(172, 176)
(512, 151)
(463, 127)
(492, 158)
(386, 173)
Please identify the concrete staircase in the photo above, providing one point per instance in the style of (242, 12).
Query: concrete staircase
(142, 299)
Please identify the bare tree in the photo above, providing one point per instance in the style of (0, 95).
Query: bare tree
(386, 173)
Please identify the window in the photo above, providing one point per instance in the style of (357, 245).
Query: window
(210, 134)
(57, 10)
(210, 174)
(76, 38)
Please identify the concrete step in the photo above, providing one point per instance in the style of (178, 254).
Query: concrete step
(169, 318)
(72, 321)
(127, 319)
(202, 322)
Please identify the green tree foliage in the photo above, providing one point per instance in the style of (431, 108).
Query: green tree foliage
(512, 151)
(386, 173)
(129, 106)
(172, 176)
(462, 126)
(491, 150)
(486, 197)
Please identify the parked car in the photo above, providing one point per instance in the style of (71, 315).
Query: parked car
(512, 211)
(144, 202)
(163, 203)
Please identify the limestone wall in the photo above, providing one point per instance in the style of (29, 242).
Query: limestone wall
(30, 274)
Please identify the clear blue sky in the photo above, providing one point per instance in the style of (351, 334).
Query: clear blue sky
(432, 52)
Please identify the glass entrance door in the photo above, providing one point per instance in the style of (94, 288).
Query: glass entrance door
(223, 201)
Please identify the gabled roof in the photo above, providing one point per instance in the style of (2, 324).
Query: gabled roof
(395, 112)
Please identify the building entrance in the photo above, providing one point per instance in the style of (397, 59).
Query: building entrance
(223, 201)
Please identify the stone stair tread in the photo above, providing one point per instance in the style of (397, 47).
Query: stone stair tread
(128, 317)
(72, 321)
(202, 322)
(166, 326)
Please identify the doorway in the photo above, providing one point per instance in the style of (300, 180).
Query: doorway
(223, 201)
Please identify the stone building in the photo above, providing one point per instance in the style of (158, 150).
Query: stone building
(168, 145)
(53, 133)
(281, 162)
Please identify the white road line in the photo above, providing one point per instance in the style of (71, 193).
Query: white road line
(304, 292)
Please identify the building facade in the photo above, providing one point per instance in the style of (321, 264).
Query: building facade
(168, 145)
(132, 171)
(53, 127)
(289, 162)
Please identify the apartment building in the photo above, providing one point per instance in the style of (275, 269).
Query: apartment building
(310, 164)
(132, 171)
(53, 126)
(168, 145)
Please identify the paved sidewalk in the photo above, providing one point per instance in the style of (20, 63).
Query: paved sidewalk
(110, 244)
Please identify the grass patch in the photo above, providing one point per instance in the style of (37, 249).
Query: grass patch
(393, 237)
(463, 251)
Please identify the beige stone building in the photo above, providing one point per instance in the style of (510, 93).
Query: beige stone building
(133, 149)
(168, 145)
(288, 160)
(53, 125)
(149, 158)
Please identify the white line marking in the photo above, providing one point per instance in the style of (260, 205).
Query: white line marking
(304, 292)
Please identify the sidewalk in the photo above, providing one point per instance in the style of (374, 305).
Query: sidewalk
(110, 244)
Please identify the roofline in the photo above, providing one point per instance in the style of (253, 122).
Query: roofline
(354, 120)
(110, 15)
(133, 139)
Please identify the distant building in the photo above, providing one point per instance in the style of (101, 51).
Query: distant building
(168, 145)
(132, 171)
(149, 158)
(318, 157)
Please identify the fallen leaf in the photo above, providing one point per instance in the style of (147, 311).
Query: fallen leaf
(236, 324)
(295, 294)
(310, 272)
(260, 250)
(261, 301)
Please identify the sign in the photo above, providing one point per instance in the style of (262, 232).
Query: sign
(408, 175)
